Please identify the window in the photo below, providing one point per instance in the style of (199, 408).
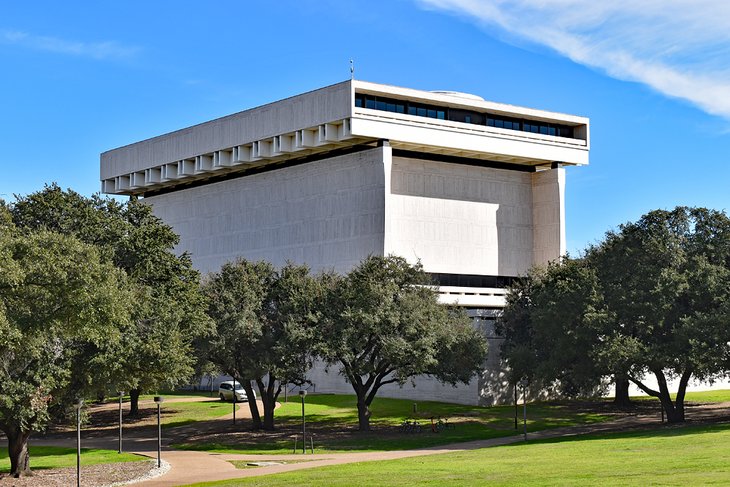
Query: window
(461, 115)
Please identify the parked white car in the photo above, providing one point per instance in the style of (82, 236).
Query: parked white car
(227, 389)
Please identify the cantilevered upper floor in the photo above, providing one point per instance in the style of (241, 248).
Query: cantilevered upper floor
(348, 114)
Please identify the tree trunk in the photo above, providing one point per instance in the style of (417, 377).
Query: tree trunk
(674, 410)
(621, 398)
(268, 418)
(134, 403)
(674, 413)
(252, 405)
(363, 414)
(266, 393)
(18, 453)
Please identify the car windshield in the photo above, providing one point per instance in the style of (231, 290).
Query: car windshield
(239, 387)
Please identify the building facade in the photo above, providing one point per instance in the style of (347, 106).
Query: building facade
(473, 189)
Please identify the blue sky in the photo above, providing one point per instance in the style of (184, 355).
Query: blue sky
(79, 78)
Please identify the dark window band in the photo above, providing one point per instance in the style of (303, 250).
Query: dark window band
(459, 115)
(472, 280)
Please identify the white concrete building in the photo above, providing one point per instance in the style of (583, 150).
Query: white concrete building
(474, 189)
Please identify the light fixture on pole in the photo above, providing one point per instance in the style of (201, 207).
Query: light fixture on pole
(158, 401)
(78, 405)
(523, 383)
(234, 401)
(121, 394)
(303, 394)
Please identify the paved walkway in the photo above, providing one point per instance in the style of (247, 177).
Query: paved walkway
(193, 466)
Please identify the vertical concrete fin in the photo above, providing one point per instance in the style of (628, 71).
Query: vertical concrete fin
(387, 154)
(548, 215)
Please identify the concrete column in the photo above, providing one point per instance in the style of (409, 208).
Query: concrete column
(548, 215)
(387, 155)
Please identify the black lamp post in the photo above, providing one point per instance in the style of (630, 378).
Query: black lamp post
(303, 394)
(523, 383)
(158, 401)
(79, 404)
(234, 401)
(121, 394)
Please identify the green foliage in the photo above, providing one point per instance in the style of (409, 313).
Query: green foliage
(57, 299)
(236, 304)
(651, 299)
(265, 322)
(551, 324)
(666, 284)
(156, 347)
(6, 218)
(384, 325)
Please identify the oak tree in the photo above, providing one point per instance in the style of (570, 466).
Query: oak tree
(384, 324)
(650, 300)
(57, 297)
(157, 347)
(265, 321)
(665, 280)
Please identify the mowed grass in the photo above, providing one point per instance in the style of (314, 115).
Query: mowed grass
(42, 457)
(166, 394)
(182, 413)
(333, 420)
(171, 394)
(667, 456)
(172, 414)
(720, 395)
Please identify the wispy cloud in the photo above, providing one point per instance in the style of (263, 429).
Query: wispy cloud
(94, 50)
(680, 48)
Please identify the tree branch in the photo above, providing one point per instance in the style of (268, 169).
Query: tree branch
(368, 348)
(644, 388)
(378, 384)
(683, 386)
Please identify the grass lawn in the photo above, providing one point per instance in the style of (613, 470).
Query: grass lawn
(56, 457)
(173, 414)
(721, 395)
(181, 413)
(666, 456)
(333, 419)
(171, 394)
(167, 394)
